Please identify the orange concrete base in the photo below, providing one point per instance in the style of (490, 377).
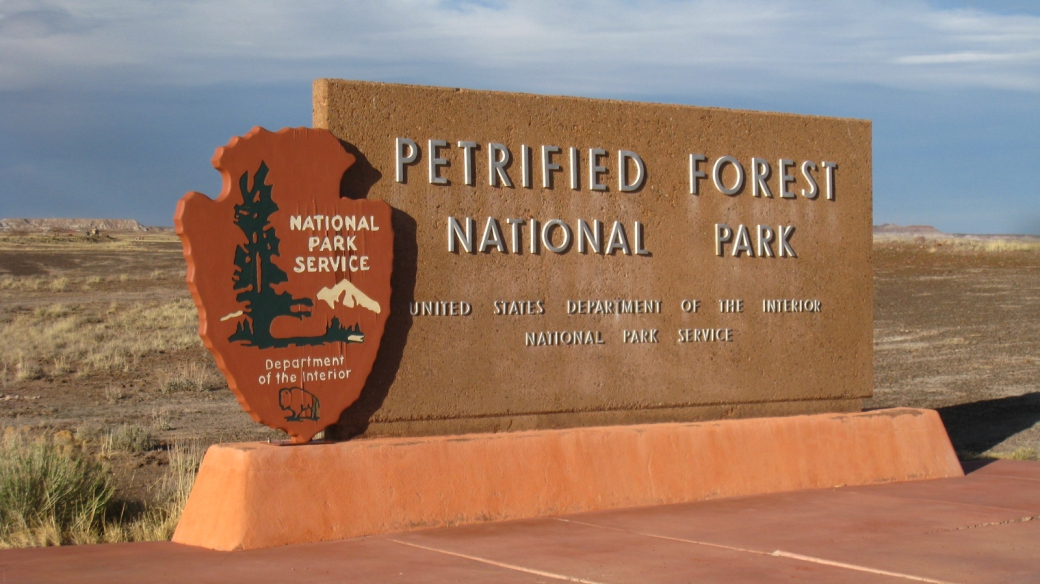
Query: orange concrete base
(259, 495)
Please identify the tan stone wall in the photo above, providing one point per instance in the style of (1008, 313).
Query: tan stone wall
(450, 374)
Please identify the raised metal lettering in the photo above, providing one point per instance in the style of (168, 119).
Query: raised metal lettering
(595, 169)
(623, 185)
(716, 175)
(436, 162)
(468, 169)
(695, 172)
(403, 159)
(498, 158)
(548, 165)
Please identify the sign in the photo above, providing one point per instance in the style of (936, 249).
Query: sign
(566, 262)
(292, 282)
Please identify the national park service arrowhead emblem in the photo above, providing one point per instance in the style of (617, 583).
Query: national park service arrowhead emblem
(292, 282)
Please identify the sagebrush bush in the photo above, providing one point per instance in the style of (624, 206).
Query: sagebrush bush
(132, 438)
(50, 494)
(56, 494)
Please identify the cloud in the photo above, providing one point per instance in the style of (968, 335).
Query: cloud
(113, 107)
(38, 22)
(966, 58)
(609, 47)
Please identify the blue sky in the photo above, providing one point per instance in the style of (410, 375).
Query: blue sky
(112, 108)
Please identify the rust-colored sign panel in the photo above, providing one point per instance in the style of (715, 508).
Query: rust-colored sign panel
(292, 282)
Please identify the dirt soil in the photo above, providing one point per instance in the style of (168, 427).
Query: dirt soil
(956, 329)
(135, 270)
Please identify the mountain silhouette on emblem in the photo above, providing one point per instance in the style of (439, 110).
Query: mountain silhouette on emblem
(347, 294)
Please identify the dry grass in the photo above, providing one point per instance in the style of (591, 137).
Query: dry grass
(88, 432)
(62, 241)
(192, 376)
(159, 519)
(990, 245)
(21, 283)
(39, 283)
(129, 438)
(967, 244)
(26, 370)
(52, 311)
(161, 419)
(91, 282)
(114, 393)
(86, 338)
(66, 283)
(1009, 245)
(1017, 454)
(79, 320)
(52, 492)
(60, 365)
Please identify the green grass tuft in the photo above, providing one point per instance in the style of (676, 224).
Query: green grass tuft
(50, 494)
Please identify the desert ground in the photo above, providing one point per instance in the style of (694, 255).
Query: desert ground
(98, 346)
(957, 329)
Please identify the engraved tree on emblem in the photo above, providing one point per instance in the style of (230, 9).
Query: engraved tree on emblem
(256, 275)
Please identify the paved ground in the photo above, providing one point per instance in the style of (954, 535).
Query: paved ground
(984, 527)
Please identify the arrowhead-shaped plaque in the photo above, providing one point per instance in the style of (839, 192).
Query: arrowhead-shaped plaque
(292, 282)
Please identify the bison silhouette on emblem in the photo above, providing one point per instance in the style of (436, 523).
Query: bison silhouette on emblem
(299, 403)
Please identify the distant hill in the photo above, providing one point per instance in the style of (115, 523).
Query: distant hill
(925, 232)
(81, 225)
(914, 230)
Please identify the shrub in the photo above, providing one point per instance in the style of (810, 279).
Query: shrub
(88, 432)
(113, 393)
(131, 438)
(49, 494)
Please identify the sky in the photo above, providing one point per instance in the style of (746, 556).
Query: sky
(113, 108)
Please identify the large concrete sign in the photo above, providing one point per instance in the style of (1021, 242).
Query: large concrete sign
(566, 262)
